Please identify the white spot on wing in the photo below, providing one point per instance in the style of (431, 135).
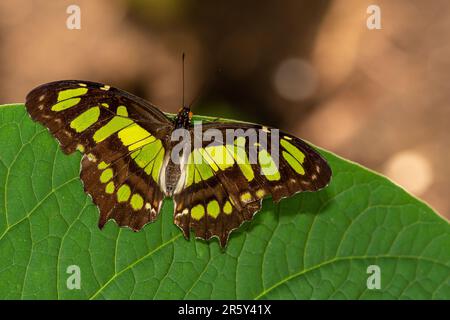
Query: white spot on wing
(91, 157)
(183, 213)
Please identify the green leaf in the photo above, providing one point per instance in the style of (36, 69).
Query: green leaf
(314, 245)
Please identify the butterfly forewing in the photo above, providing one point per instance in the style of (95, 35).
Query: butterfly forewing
(74, 111)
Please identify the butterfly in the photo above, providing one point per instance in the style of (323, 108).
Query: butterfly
(128, 168)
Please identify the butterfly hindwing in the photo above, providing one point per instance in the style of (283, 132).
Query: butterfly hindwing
(121, 189)
(123, 139)
(207, 208)
(238, 184)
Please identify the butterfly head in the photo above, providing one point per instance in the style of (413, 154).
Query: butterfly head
(183, 118)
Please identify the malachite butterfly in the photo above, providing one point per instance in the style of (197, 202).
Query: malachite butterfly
(129, 162)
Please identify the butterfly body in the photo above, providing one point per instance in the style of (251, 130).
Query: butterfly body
(133, 158)
(172, 170)
(172, 173)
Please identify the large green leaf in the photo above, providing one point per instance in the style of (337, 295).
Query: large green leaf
(314, 245)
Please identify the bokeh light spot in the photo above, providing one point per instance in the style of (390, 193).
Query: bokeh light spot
(295, 79)
(411, 170)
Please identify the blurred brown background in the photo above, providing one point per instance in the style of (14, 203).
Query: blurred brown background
(313, 68)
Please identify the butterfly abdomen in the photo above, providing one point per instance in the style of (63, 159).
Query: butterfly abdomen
(172, 176)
